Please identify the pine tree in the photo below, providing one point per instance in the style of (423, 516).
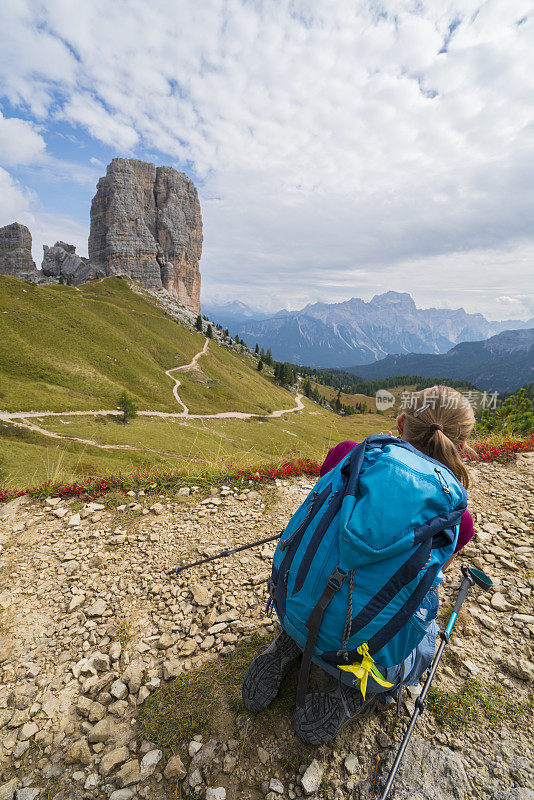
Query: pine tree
(198, 323)
(256, 349)
(269, 357)
(209, 332)
(260, 365)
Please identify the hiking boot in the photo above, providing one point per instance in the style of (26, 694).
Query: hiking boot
(325, 714)
(265, 674)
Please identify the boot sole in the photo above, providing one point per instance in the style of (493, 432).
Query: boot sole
(263, 680)
(330, 721)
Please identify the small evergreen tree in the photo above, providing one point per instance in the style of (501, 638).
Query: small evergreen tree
(127, 406)
(209, 332)
(198, 323)
(256, 349)
(260, 365)
(269, 357)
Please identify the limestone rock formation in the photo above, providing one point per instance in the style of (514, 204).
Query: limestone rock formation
(61, 262)
(146, 223)
(16, 252)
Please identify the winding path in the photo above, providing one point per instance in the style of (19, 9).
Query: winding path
(21, 418)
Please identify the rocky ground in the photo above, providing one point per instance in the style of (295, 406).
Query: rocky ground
(91, 626)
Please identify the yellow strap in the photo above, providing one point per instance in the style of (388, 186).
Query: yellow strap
(366, 668)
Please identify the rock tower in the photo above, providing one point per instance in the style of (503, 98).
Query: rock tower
(16, 252)
(146, 223)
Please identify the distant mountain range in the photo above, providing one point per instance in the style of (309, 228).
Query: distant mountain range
(501, 363)
(356, 332)
(234, 313)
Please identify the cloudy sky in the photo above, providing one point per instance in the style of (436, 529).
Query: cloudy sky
(340, 147)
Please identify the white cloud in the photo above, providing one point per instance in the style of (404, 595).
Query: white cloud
(14, 200)
(340, 145)
(20, 142)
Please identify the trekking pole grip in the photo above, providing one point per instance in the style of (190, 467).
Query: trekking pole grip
(462, 594)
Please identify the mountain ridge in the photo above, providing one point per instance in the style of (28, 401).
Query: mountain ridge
(503, 362)
(356, 332)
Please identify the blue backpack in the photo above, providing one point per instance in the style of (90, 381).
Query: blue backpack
(359, 555)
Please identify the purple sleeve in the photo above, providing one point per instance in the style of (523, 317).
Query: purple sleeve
(467, 531)
(335, 454)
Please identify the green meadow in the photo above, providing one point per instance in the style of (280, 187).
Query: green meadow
(66, 349)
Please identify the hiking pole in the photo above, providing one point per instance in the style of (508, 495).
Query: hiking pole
(471, 576)
(222, 554)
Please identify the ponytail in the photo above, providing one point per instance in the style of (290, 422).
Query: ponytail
(438, 424)
(442, 449)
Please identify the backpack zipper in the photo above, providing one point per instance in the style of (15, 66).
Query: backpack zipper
(442, 482)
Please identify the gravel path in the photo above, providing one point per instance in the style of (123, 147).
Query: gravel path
(90, 625)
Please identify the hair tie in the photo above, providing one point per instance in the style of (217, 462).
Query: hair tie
(436, 426)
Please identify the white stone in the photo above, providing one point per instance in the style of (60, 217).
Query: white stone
(149, 762)
(76, 601)
(97, 608)
(276, 786)
(121, 794)
(216, 794)
(488, 622)
(28, 730)
(112, 759)
(311, 780)
(118, 690)
(492, 527)
(471, 667)
(115, 651)
(75, 519)
(499, 602)
(171, 669)
(194, 747)
(27, 794)
(195, 779)
(92, 781)
(201, 596)
(351, 764)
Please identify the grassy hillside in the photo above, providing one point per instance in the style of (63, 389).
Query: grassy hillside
(65, 349)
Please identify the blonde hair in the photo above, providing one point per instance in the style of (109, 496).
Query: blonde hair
(438, 422)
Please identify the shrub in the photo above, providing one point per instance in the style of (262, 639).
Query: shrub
(127, 406)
